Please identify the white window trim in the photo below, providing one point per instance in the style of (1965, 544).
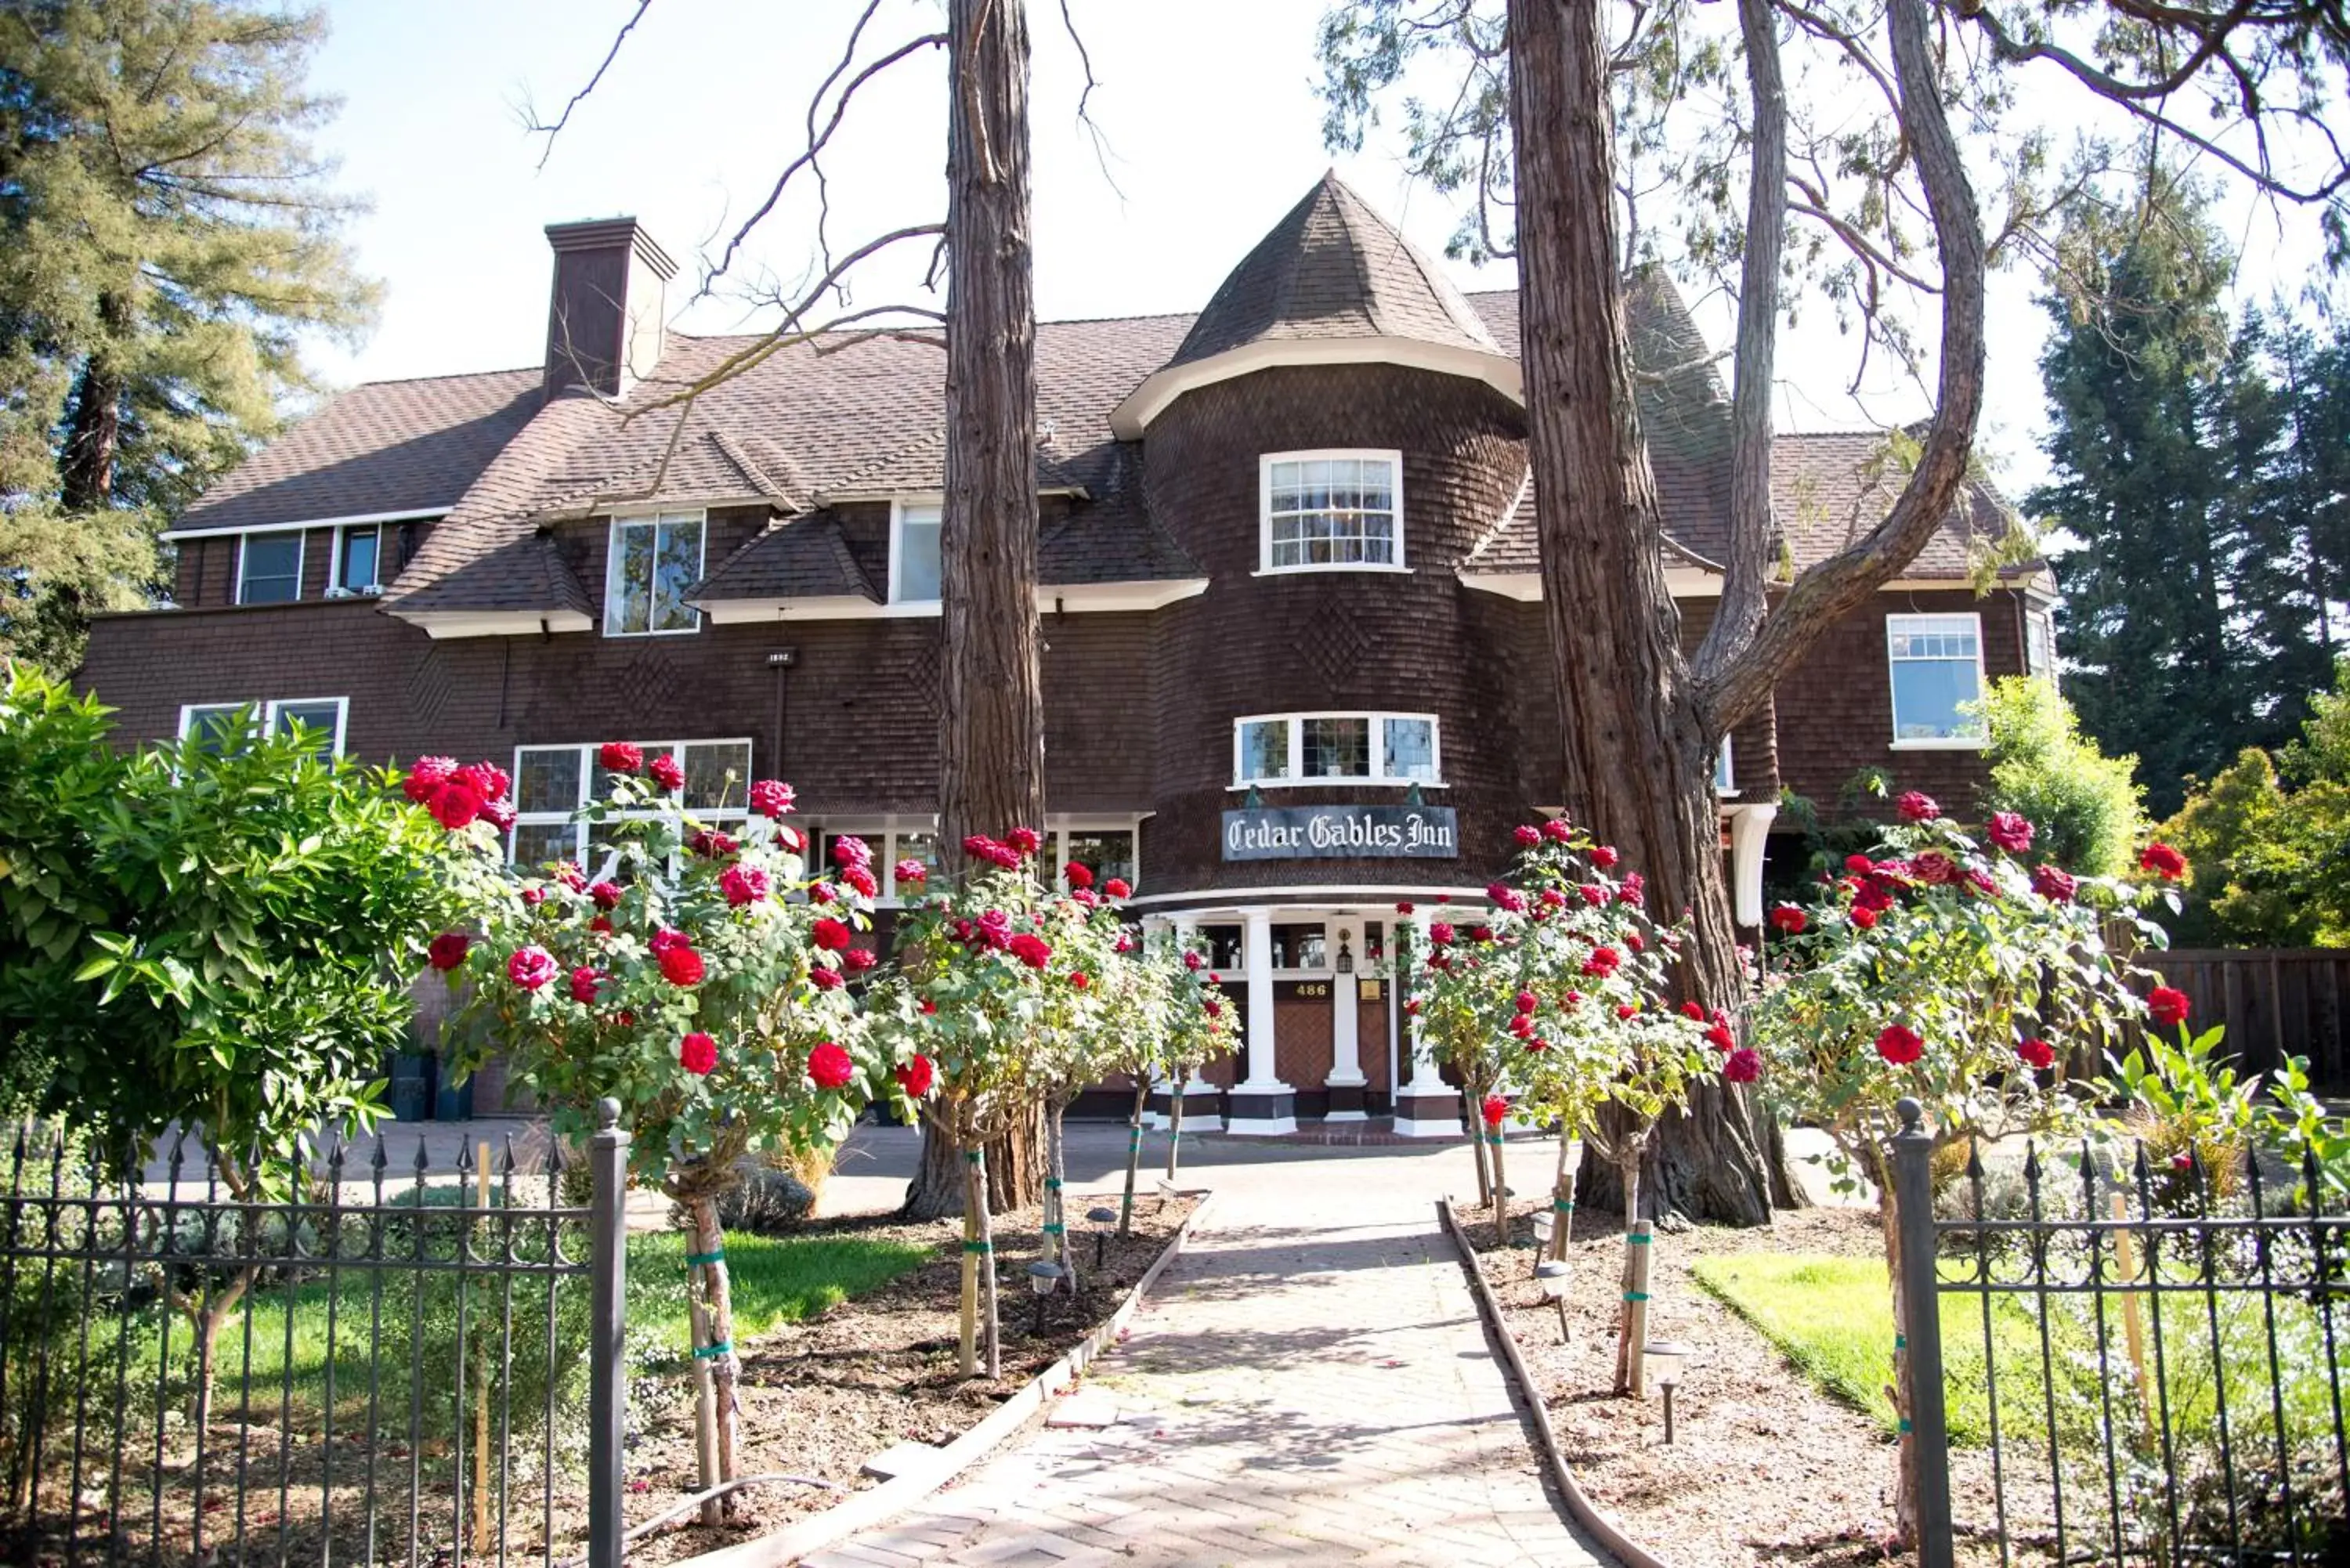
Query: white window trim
(1892, 699)
(1265, 567)
(880, 835)
(335, 584)
(1057, 831)
(1296, 779)
(612, 567)
(587, 750)
(267, 713)
(898, 505)
(301, 559)
(1726, 771)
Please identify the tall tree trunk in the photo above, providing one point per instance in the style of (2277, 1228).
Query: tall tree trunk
(1134, 1152)
(1015, 1170)
(992, 711)
(94, 422)
(1639, 757)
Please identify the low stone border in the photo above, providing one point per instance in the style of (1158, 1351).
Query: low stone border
(863, 1510)
(1586, 1512)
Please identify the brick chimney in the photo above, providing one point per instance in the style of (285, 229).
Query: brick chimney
(605, 312)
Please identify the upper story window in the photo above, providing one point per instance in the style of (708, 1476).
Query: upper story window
(269, 568)
(914, 570)
(1331, 511)
(225, 727)
(1938, 675)
(2039, 642)
(551, 784)
(358, 558)
(1354, 748)
(1725, 770)
(654, 561)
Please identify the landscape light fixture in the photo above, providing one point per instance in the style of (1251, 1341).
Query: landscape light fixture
(1166, 1192)
(1665, 1358)
(1543, 1227)
(1102, 1219)
(1552, 1276)
(1044, 1278)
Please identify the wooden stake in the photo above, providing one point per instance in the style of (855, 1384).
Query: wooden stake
(1638, 1242)
(970, 1207)
(2133, 1320)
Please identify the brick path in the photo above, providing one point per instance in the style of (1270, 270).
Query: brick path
(1309, 1384)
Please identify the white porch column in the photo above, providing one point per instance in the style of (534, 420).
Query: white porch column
(1262, 1103)
(1426, 1106)
(1200, 1112)
(1346, 1081)
(1750, 828)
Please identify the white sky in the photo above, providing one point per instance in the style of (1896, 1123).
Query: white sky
(1207, 107)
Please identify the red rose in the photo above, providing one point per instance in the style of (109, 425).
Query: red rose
(1744, 1065)
(1557, 830)
(915, 1076)
(1936, 868)
(2166, 1005)
(1790, 920)
(448, 950)
(2164, 861)
(1216, 1009)
(1692, 1010)
(832, 936)
(1494, 1109)
(850, 850)
(1717, 1035)
(1023, 840)
(1192, 960)
(682, 966)
(1404, 908)
(860, 959)
(627, 1020)
(2011, 832)
(533, 895)
(664, 771)
(911, 870)
(1527, 835)
(1916, 808)
(1605, 857)
(618, 757)
(1526, 1002)
(822, 893)
(830, 1067)
(583, 982)
(605, 895)
(600, 926)
(1627, 1009)
(742, 885)
(1635, 889)
(571, 877)
(1077, 875)
(669, 937)
(1859, 865)
(929, 1007)
(530, 967)
(498, 813)
(1552, 899)
(426, 777)
(825, 978)
(455, 804)
(711, 845)
(1078, 977)
(2054, 885)
(861, 878)
(2036, 1053)
(1864, 917)
(1635, 941)
(486, 780)
(1440, 933)
(1602, 962)
(1031, 949)
(1593, 894)
(697, 1053)
(771, 797)
(1900, 1044)
(1118, 888)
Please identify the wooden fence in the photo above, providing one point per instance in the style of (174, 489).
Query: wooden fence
(2276, 1003)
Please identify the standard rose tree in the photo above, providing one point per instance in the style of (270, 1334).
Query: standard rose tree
(1200, 1028)
(1076, 1028)
(1961, 974)
(680, 977)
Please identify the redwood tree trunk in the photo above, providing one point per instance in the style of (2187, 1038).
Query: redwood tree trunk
(1016, 1171)
(1639, 757)
(94, 422)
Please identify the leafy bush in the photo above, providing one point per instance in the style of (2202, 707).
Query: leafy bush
(2085, 804)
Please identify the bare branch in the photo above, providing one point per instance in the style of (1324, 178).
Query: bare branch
(552, 131)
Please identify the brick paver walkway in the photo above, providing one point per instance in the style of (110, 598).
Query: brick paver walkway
(1309, 1383)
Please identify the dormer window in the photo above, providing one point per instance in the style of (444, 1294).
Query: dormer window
(1331, 511)
(914, 568)
(269, 568)
(357, 552)
(654, 561)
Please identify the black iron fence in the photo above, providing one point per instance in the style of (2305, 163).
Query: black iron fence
(349, 1360)
(2124, 1358)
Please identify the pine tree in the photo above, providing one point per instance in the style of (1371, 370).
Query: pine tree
(167, 234)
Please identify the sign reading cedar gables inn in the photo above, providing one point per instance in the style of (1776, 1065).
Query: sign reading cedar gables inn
(1313, 832)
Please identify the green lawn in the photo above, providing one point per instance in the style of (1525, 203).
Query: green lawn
(775, 1280)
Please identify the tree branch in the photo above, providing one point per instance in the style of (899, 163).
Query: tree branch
(551, 132)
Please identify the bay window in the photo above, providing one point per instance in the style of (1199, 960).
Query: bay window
(1352, 748)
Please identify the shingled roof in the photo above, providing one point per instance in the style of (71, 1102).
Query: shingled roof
(1830, 488)
(385, 447)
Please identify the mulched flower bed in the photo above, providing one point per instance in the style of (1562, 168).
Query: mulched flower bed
(1764, 1466)
(823, 1396)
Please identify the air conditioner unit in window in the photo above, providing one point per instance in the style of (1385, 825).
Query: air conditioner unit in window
(338, 593)
(371, 590)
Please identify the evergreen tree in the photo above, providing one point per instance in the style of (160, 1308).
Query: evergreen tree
(2186, 613)
(167, 234)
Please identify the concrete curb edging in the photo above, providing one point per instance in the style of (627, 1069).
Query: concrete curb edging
(862, 1510)
(1586, 1514)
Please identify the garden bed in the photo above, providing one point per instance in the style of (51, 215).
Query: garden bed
(1766, 1465)
(822, 1396)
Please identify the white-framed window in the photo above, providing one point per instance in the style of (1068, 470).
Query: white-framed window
(358, 560)
(1725, 770)
(1284, 749)
(1330, 511)
(654, 560)
(269, 567)
(1109, 850)
(915, 569)
(2039, 642)
(551, 784)
(220, 727)
(1937, 672)
(889, 844)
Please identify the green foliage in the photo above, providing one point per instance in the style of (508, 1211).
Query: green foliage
(2271, 851)
(216, 938)
(773, 1281)
(2084, 803)
(2190, 1111)
(612, 1017)
(58, 569)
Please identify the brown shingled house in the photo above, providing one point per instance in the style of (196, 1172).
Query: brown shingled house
(1295, 668)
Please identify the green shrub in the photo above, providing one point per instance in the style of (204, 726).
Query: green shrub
(2086, 805)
